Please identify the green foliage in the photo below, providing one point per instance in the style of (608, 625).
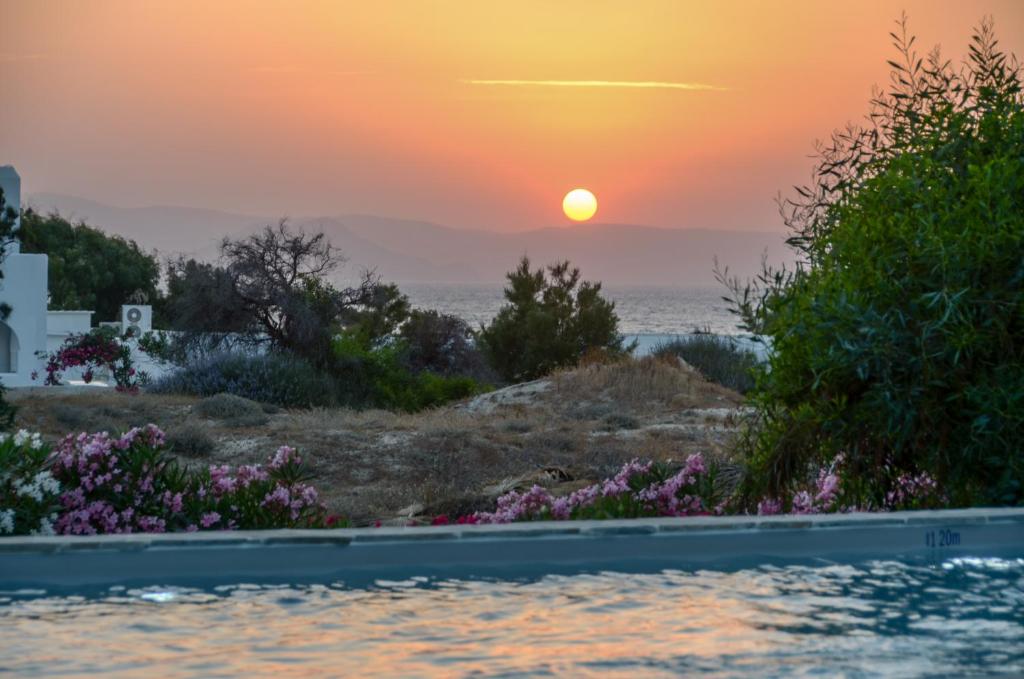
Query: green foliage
(718, 359)
(900, 341)
(382, 310)
(7, 219)
(89, 269)
(552, 320)
(7, 411)
(443, 344)
(377, 377)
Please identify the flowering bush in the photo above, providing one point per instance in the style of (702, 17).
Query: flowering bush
(639, 489)
(28, 491)
(128, 484)
(650, 489)
(835, 489)
(98, 348)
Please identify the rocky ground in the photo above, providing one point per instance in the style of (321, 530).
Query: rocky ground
(563, 432)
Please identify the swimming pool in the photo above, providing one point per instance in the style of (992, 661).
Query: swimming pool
(633, 601)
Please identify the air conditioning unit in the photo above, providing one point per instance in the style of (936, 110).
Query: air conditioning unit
(136, 318)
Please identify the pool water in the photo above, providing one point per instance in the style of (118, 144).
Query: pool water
(955, 617)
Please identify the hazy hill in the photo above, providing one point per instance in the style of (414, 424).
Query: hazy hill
(417, 251)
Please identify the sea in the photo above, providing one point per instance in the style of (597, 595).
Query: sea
(648, 315)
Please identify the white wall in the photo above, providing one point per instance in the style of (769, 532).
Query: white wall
(24, 288)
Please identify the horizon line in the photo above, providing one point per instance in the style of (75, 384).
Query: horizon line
(630, 84)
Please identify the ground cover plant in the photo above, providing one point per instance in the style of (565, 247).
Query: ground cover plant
(898, 341)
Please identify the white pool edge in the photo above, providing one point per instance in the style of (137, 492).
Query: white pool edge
(79, 560)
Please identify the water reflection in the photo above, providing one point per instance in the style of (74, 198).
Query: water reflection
(888, 618)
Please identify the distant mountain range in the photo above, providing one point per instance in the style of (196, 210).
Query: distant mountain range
(422, 252)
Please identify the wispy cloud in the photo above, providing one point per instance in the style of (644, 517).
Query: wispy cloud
(627, 84)
(10, 58)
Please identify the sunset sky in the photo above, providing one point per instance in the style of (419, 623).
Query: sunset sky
(472, 114)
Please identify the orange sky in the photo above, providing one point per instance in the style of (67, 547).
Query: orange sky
(304, 108)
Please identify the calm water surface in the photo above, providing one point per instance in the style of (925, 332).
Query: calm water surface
(961, 617)
(645, 310)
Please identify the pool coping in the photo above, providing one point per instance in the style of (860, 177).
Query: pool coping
(514, 531)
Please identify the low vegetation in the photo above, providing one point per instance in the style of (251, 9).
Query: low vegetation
(398, 467)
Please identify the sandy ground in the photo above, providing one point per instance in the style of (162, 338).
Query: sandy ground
(562, 432)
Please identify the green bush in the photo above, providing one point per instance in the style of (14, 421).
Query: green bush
(900, 342)
(7, 411)
(552, 320)
(190, 440)
(444, 345)
(718, 359)
(377, 377)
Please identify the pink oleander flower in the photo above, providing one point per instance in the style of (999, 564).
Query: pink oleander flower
(803, 503)
(284, 456)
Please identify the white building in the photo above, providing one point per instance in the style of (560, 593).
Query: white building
(30, 332)
(22, 289)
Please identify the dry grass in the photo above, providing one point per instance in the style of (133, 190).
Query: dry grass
(635, 383)
(371, 464)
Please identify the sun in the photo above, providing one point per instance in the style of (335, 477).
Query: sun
(579, 205)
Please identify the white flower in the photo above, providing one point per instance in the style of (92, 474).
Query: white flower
(21, 437)
(45, 526)
(42, 484)
(6, 521)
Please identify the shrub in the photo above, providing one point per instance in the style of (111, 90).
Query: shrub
(719, 359)
(7, 410)
(226, 407)
(377, 377)
(552, 320)
(28, 492)
(443, 344)
(190, 440)
(899, 341)
(128, 484)
(274, 378)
